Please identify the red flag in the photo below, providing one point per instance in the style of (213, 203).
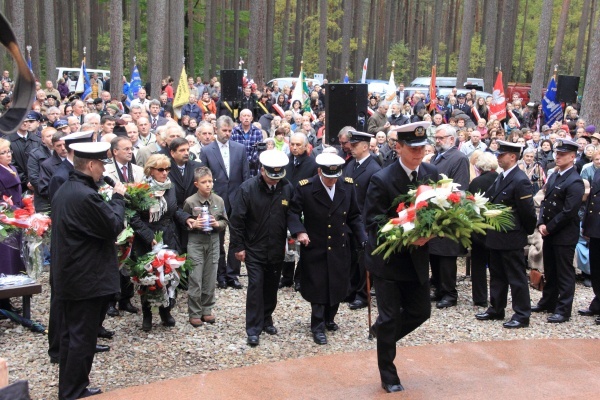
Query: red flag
(498, 106)
(432, 93)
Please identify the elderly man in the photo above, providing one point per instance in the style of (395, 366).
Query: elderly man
(473, 144)
(378, 121)
(248, 135)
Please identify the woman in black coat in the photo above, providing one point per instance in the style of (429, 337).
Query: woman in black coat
(159, 218)
(487, 164)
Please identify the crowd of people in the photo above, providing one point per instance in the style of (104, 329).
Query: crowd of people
(299, 212)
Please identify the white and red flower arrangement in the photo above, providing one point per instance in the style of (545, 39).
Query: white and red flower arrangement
(440, 209)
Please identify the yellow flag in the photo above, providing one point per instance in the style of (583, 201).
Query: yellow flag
(182, 96)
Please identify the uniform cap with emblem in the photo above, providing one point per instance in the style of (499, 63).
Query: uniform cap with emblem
(546, 128)
(274, 161)
(78, 137)
(33, 116)
(92, 151)
(414, 134)
(60, 123)
(565, 145)
(355, 137)
(509, 147)
(51, 96)
(331, 164)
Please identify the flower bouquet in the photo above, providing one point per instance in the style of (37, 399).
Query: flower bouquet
(124, 245)
(158, 273)
(440, 210)
(140, 198)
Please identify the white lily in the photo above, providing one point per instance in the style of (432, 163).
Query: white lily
(480, 202)
(409, 226)
(492, 213)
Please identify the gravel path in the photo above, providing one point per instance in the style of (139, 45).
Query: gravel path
(137, 357)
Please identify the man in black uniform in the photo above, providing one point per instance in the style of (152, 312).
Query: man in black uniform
(22, 142)
(331, 212)
(61, 175)
(85, 270)
(507, 261)
(360, 169)
(301, 166)
(258, 226)
(48, 167)
(401, 281)
(591, 229)
(558, 223)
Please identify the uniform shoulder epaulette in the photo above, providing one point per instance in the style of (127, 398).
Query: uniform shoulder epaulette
(348, 180)
(303, 182)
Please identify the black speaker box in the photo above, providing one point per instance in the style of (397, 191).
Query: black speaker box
(231, 84)
(345, 105)
(567, 88)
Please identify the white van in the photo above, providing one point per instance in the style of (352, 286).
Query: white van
(73, 74)
(448, 82)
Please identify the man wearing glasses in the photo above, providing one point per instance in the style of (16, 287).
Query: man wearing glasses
(378, 121)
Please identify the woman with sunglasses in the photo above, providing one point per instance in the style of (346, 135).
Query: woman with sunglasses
(160, 217)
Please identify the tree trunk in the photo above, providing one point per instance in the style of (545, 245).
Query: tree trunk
(116, 48)
(560, 33)
(208, 34)
(156, 50)
(518, 77)
(133, 22)
(491, 18)
(509, 32)
(590, 34)
(236, 32)
(541, 54)
(176, 43)
(323, 37)
(450, 27)
(83, 29)
(270, 32)
(590, 103)
(285, 32)
(94, 32)
(297, 37)
(414, 47)
(358, 34)
(435, 40)
(18, 25)
(32, 36)
(346, 33)
(50, 45)
(585, 16)
(498, 45)
(371, 40)
(213, 41)
(223, 25)
(256, 57)
(464, 56)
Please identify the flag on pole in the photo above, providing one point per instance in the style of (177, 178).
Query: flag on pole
(498, 105)
(301, 92)
(432, 91)
(83, 82)
(552, 109)
(29, 63)
(134, 85)
(346, 77)
(364, 71)
(391, 90)
(182, 96)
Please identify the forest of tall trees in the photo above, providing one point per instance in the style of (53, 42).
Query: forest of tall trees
(464, 37)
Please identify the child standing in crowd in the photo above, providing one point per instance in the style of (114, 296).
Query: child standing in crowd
(203, 247)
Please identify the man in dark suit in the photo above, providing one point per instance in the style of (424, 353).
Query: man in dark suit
(328, 204)
(36, 157)
(401, 281)
(61, 175)
(443, 252)
(22, 142)
(229, 166)
(154, 118)
(558, 223)
(591, 229)
(301, 166)
(507, 262)
(49, 166)
(362, 166)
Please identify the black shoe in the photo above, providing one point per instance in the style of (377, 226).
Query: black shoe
(373, 294)
(489, 316)
(357, 304)
(113, 312)
(514, 324)
(165, 316)
(235, 284)
(320, 338)
(557, 319)
(331, 326)
(434, 297)
(586, 312)
(90, 392)
(253, 340)
(147, 319)
(129, 308)
(283, 284)
(538, 308)
(271, 330)
(105, 333)
(392, 387)
(372, 332)
(597, 320)
(445, 303)
(481, 303)
(297, 286)
(101, 348)
(587, 282)
(222, 284)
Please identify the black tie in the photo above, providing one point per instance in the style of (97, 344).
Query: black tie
(413, 174)
(154, 123)
(296, 162)
(499, 182)
(182, 170)
(356, 166)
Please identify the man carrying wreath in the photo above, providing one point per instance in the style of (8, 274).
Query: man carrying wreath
(402, 280)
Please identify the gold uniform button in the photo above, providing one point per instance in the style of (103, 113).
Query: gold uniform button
(343, 223)
(344, 212)
(329, 226)
(328, 237)
(343, 234)
(329, 248)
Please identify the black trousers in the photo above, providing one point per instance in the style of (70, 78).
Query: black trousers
(321, 313)
(559, 272)
(443, 273)
(595, 272)
(261, 297)
(508, 268)
(229, 266)
(358, 274)
(288, 275)
(126, 290)
(54, 325)
(479, 263)
(403, 306)
(79, 335)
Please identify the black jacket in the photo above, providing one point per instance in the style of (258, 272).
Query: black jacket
(306, 168)
(60, 176)
(84, 230)
(21, 149)
(36, 158)
(361, 177)
(591, 219)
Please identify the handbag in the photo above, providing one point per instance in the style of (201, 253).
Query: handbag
(536, 279)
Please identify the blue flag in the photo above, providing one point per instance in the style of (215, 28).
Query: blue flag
(346, 78)
(552, 109)
(83, 82)
(134, 85)
(29, 64)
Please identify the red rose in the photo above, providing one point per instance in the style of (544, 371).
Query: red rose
(421, 204)
(400, 207)
(411, 214)
(152, 288)
(454, 197)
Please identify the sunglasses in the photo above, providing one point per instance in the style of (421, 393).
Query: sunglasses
(163, 169)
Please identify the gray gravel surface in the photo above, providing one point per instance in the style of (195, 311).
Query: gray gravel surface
(137, 357)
